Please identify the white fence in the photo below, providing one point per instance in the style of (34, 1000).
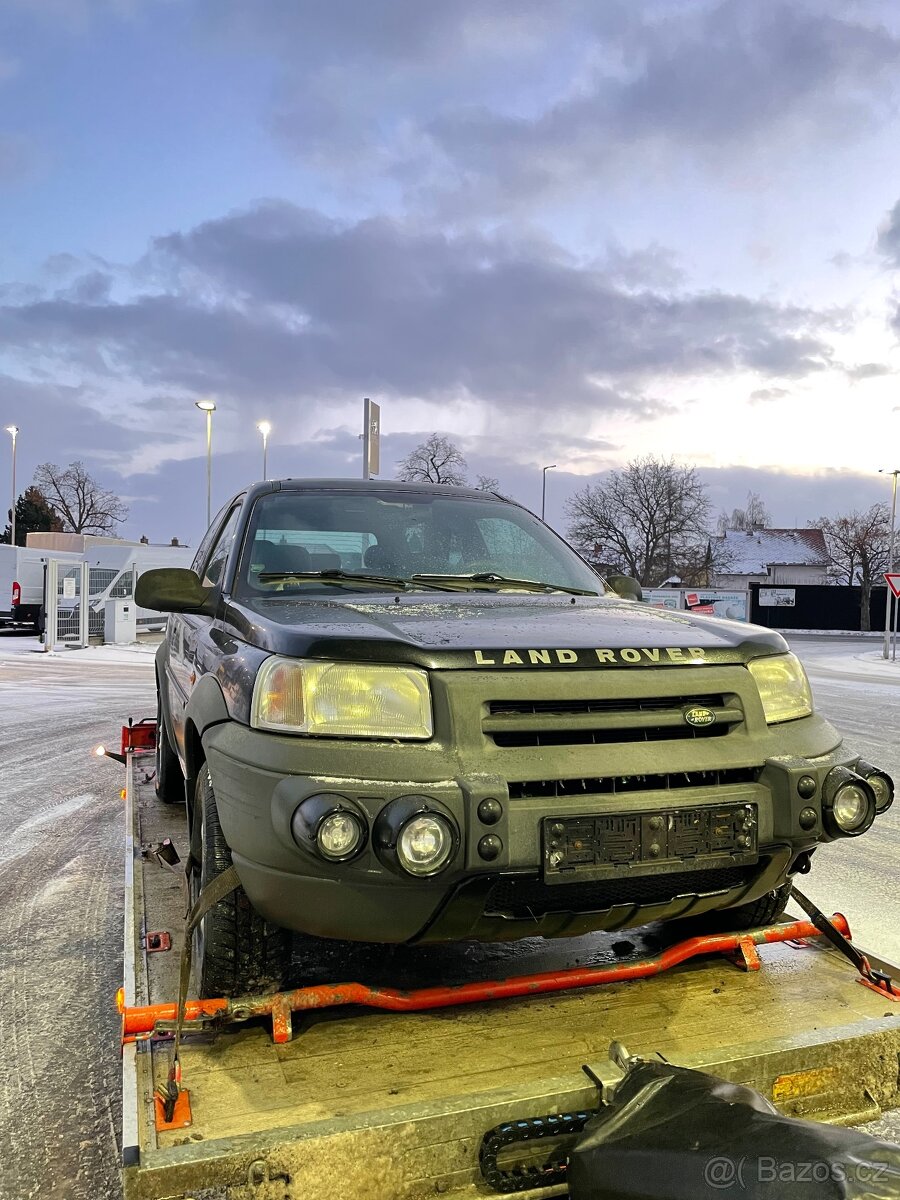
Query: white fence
(70, 621)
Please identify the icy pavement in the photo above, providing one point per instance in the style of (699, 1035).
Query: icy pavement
(14, 647)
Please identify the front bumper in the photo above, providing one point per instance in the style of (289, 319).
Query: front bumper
(495, 907)
(260, 778)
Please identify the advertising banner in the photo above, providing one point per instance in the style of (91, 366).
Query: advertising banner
(733, 606)
(777, 597)
(663, 597)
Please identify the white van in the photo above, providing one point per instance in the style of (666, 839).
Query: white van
(22, 583)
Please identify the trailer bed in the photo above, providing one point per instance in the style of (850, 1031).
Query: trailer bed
(390, 1106)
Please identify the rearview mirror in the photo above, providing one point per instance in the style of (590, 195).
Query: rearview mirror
(172, 589)
(625, 586)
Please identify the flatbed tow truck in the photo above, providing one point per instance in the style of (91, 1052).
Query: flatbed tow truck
(340, 1100)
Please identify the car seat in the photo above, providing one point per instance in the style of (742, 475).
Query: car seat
(380, 559)
(274, 557)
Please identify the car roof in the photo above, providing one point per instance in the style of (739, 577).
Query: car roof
(384, 485)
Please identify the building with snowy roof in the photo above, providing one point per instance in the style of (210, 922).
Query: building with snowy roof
(770, 556)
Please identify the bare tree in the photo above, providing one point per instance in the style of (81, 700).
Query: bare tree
(78, 500)
(754, 516)
(648, 520)
(436, 460)
(858, 547)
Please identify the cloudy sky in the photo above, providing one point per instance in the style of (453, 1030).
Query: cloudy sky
(568, 233)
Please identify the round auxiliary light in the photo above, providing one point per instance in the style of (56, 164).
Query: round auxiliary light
(884, 793)
(848, 803)
(850, 807)
(425, 844)
(880, 783)
(339, 835)
(330, 826)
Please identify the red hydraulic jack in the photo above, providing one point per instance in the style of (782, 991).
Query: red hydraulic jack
(143, 1022)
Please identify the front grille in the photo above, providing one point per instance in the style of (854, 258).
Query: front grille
(605, 722)
(622, 784)
(529, 897)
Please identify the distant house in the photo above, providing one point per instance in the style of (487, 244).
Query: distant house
(770, 556)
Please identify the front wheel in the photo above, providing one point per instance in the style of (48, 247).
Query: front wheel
(169, 780)
(235, 949)
(763, 911)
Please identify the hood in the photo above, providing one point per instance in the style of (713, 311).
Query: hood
(487, 630)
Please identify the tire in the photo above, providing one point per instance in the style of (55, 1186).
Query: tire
(235, 950)
(169, 779)
(764, 911)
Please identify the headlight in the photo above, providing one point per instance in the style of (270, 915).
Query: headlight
(783, 687)
(425, 844)
(341, 699)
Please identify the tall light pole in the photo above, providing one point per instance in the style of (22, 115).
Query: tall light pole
(13, 431)
(552, 467)
(265, 429)
(889, 595)
(209, 407)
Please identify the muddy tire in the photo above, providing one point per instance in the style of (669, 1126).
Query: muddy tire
(235, 950)
(763, 911)
(169, 780)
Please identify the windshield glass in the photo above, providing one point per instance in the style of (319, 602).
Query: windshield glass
(399, 536)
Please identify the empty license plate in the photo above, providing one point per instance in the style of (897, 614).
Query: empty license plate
(598, 846)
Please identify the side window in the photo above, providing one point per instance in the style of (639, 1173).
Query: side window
(208, 538)
(217, 559)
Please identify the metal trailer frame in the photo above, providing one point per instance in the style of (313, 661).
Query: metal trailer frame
(409, 1149)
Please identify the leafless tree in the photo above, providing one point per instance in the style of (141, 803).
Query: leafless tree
(649, 520)
(436, 460)
(754, 516)
(858, 548)
(78, 500)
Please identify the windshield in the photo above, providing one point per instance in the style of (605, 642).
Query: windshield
(404, 536)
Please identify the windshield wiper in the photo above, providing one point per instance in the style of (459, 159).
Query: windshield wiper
(492, 580)
(339, 577)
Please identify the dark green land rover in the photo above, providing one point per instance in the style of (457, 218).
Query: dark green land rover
(411, 713)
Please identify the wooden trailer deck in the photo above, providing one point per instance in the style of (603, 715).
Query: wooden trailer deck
(389, 1106)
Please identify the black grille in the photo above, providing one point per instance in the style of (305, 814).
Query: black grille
(606, 721)
(530, 897)
(622, 784)
(570, 707)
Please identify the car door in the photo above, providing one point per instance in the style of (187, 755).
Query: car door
(183, 630)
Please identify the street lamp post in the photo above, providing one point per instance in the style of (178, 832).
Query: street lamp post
(889, 595)
(13, 431)
(551, 467)
(209, 407)
(265, 429)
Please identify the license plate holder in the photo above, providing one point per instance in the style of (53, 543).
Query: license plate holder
(610, 845)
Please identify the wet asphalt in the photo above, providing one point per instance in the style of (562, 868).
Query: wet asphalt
(61, 855)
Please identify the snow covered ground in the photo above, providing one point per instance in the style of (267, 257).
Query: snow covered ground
(13, 646)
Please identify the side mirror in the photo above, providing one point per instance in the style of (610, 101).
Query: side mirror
(625, 586)
(173, 589)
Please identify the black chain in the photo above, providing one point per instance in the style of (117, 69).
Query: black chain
(529, 1129)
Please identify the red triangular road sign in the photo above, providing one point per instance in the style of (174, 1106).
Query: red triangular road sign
(892, 579)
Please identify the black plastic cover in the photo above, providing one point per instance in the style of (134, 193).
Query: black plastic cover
(675, 1134)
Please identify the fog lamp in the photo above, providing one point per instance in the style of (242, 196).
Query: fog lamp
(848, 803)
(339, 835)
(880, 783)
(425, 844)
